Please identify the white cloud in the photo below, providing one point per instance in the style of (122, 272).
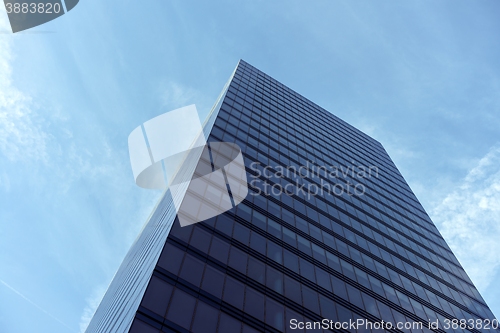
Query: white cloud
(21, 137)
(69, 164)
(469, 219)
(92, 304)
(39, 134)
(174, 95)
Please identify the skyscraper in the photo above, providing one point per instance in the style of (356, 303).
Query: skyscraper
(329, 238)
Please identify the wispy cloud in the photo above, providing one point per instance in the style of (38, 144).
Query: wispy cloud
(67, 162)
(34, 304)
(21, 138)
(175, 95)
(469, 219)
(92, 304)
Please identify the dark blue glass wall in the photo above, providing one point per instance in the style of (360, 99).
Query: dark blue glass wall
(363, 248)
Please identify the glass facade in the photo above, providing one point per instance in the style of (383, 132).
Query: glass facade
(329, 238)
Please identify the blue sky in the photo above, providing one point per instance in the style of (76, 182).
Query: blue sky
(422, 77)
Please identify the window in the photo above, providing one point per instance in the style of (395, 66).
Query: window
(238, 260)
(228, 324)
(157, 296)
(274, 280)
(328, 308)
(274, 314)
(254, 304)
(205, 318)
(241, 233)
(219, 250)
(256, 270)
(200, 239)
(310, 299)
(274, 252)
(171, 258)
(258, 243)
(181, 309)
(234, 292)
(213, 281)
(323, 279)
(307, 270)
(192, 270)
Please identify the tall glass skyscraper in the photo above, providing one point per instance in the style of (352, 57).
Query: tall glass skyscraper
(329, 238)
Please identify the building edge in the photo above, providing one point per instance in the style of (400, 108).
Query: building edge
(119, 304)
